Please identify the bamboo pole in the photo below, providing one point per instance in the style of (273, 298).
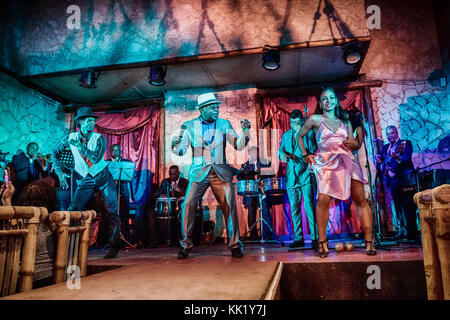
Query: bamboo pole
(62, 219)
(29, 249)
(441, 210)
(88, 216)
(430, 253)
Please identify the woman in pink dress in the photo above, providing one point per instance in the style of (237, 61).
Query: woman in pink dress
(338, 175)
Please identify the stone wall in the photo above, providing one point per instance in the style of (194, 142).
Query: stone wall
(27, 116)
(404, 54)
(37, 39)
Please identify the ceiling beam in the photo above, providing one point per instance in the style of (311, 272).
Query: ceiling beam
(209, 56)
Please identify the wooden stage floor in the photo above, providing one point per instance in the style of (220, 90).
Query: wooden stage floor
(209, 273)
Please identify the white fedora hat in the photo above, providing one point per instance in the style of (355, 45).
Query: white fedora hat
(206, 99)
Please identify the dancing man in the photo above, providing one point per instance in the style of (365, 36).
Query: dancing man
(91, 171)
(338, 173)
(207, 135)
(298, 178)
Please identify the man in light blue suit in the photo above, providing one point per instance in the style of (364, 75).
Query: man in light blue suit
(298, 179)
(208, 135)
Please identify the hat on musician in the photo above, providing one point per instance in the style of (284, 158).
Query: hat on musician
(85, 112)
(206, 99)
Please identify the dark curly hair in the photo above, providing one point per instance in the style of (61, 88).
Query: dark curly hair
(340, 113)
(39, 194)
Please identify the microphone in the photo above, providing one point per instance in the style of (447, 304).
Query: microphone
(183, 129)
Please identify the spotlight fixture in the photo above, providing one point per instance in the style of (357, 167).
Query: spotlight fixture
(88, 78)
(157, 74)
(271, 58)
(352, 53)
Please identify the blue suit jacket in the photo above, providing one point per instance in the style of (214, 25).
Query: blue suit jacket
(295, 168)
(206, 156)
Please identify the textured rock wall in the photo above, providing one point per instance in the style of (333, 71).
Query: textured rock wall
(404, 53)
(37, 39)
(26, 116)
(236, 104)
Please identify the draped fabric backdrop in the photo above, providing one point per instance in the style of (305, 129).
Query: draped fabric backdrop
(276, 115)
(137, 132)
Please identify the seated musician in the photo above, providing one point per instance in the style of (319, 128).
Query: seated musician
(251, 170)
(175, 186)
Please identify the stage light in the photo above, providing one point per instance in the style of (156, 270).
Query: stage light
(352, 53)
(157, 74)
(271, 58)
(88, 79)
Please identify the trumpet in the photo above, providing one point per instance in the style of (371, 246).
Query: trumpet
(46, 157)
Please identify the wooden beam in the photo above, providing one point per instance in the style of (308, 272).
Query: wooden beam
(316, 88)
(202, 57)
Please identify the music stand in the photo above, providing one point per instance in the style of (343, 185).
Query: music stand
(121, 171)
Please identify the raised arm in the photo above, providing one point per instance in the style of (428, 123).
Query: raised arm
(311, 122)
(238, 142)
(180, 143)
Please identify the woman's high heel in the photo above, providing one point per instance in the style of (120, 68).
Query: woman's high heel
(322, 252)
(371, 246)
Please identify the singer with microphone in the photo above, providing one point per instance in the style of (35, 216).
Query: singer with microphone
(207, 136)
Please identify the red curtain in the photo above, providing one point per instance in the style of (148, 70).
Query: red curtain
(276, 112)
(137, 132)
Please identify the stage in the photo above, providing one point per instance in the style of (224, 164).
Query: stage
(266, 272)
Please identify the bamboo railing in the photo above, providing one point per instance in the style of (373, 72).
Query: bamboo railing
(18, 233)
(73, 229)
(434, 211)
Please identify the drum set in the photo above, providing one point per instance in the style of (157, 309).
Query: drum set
(261, 188)
(168, 212)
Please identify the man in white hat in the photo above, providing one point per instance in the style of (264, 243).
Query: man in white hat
(207, 135)
(91, 171)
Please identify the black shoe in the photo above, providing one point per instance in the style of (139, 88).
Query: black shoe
(297, 244)
(236, 253)
(112, 253)
(183, 253)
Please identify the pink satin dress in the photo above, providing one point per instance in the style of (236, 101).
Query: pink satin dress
(335, 164)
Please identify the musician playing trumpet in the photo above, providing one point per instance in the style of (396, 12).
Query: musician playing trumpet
(395, 164)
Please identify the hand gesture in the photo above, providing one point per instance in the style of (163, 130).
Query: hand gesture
(350, 143)
(75, 143)
(63, 180)
(7, 192)
(378, 158)
(245, 124)
(283, 157)
(310, 159)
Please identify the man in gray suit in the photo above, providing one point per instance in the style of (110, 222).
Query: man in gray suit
(298, 179)
(207, 135)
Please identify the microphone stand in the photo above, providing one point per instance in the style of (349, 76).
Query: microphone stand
(169, 211)
(377, 235)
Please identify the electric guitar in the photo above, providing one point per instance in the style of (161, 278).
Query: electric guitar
(386, 164)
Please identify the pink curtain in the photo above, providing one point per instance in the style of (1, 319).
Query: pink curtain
(276, 113)
(137, 132)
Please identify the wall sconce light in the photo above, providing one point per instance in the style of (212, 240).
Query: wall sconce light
(157, 74)
(352, 53)
(271, 58)
(88, 78)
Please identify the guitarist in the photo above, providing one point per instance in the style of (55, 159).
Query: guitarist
(396, 166)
